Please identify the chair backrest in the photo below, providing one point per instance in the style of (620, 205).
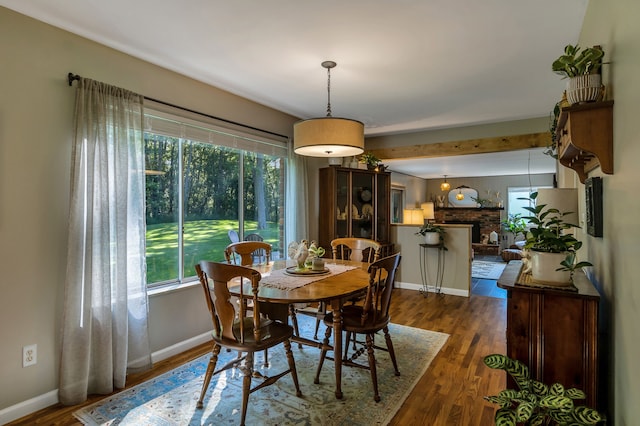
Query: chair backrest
(249, 252)
(382, 276)
(253, 237)
(233, 236)
(228, 323)
(356, 249)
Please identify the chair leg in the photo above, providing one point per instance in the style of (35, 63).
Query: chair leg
(392, 353)
(294, 322)
(211, 367)
(246, 385)
(323, 354)
(292, 366)
(372, 367)
(346, 346)
(322, 310)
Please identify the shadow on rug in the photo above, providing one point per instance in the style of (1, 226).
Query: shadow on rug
(170, 399)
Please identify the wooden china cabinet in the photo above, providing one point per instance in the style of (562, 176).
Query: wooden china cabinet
(354, 203)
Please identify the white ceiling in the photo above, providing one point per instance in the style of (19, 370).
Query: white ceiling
(403, 65)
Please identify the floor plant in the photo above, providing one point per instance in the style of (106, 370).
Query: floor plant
(535, 403)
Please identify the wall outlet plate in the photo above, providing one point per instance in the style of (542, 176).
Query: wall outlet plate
(29, 355)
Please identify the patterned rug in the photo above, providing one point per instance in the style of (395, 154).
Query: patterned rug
(487, 270)
(170, 399)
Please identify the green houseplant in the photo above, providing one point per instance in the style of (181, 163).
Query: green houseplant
(515, 224)
(434, 234)
(535, 403)
(369, 159)
(548, 233)
(582, 67)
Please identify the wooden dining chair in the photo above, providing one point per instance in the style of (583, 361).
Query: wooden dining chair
(355, 249)
(240, 332)
(367, 319)
(248, 253)
(251, 253)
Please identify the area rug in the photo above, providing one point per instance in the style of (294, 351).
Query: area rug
(170, 399)
(487, 270)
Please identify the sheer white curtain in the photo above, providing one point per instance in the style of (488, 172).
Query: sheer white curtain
(105, 308)
(297, 214)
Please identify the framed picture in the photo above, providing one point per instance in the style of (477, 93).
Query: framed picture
(593, 198)
(397, 203)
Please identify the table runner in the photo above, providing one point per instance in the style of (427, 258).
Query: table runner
(281, 280)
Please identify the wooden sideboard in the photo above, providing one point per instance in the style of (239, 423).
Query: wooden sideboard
(554, 331)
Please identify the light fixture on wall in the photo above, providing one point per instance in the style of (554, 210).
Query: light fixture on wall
(413, 216)
(328, 136)
(445, 186)
(428, 210)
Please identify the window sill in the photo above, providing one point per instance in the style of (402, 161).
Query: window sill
(171, 288)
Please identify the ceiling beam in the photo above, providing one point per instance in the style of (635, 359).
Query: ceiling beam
(466, 147)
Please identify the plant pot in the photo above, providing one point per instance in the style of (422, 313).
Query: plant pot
(584, 88)
(432, 238)
(544, 265)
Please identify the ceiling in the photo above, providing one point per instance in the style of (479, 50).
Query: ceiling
(403, 66)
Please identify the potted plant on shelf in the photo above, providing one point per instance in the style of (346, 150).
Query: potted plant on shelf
(370, 160)
(535, 403)
(582, 67)
(551, 249)
(433, 234)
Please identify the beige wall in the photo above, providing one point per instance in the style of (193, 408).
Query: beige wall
(36, 106)
(613, 24)
(36, 109)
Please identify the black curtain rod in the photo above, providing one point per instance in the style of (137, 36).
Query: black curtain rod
(71, 77)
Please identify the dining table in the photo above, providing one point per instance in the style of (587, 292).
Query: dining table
(284, 285)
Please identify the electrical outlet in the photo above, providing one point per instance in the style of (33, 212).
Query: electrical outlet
(29, 355)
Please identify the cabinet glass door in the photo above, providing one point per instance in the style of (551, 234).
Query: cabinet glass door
(342, 205)
(362, 220)
(383, 207)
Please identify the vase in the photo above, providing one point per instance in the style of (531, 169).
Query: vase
(544, 265)
(432, 238)
(318, 264)
(584, 88)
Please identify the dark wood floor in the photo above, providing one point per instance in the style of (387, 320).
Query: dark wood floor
(450, 392)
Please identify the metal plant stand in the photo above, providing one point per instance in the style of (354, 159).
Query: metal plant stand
(425, 249)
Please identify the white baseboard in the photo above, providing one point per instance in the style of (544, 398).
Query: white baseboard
(29, 406)
(48, 399)
(445, 290)
(180, 347)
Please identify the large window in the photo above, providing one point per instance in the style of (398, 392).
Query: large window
(515, 203)
(203, 181)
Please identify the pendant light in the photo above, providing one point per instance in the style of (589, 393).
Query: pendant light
(459, 195)
(328, 136)
(445, 186)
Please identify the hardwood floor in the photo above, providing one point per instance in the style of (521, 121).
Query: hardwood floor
(450, 392)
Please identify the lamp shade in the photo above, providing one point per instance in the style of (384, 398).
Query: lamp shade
(328, 137)
(563, 199)
(413, 216)
(428, 210)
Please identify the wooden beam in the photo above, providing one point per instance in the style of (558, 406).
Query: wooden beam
(467, 147)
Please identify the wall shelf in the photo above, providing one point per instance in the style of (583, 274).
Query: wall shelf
(585, 135)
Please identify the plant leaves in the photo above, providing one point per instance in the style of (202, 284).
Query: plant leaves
(574, 393)
(587, 415)
(505, 417)
(524, 411)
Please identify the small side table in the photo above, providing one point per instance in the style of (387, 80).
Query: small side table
(424, 267)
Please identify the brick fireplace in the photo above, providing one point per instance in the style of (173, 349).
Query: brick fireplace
(484, 220)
